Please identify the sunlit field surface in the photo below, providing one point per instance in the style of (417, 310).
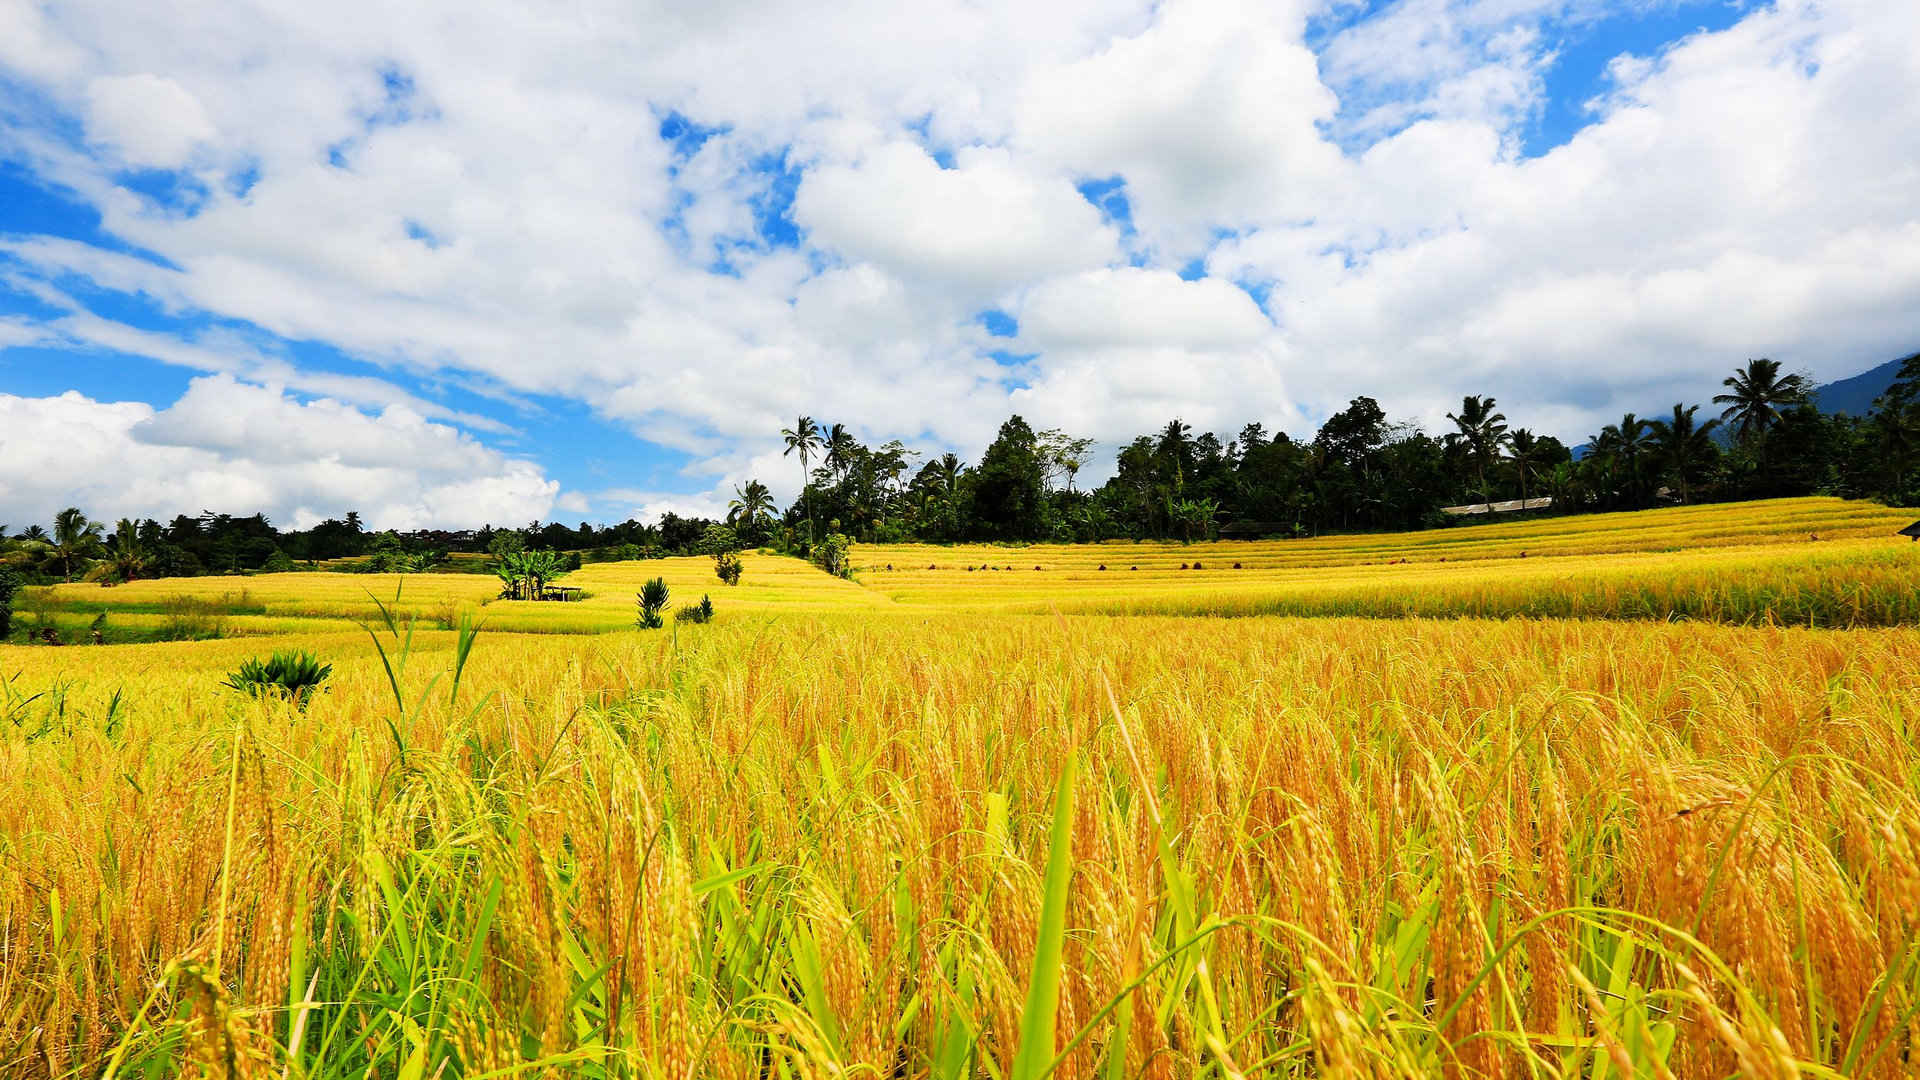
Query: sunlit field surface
(1832, 583)
(958, 823)
(305, 602)
(1682, 528)
(1819, 562)
(1824, 562)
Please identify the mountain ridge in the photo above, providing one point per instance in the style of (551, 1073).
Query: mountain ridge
(1855, 395)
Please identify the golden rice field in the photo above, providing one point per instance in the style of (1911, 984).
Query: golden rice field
(303, 602)
(965, 824)
(1825, 562)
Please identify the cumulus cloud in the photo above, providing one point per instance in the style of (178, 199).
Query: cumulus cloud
(150, 119)
(1135, 307)
(1210, 114)
(235, 447)
(701, 221)
(638, 505)
(981, 225)
(1721, 208)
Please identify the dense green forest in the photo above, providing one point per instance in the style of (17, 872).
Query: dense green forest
(1362, 470)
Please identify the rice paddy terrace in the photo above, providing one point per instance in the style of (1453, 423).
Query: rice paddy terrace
(1632, 795)
(1824, 562)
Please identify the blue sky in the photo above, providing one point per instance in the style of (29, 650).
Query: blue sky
(567, 280)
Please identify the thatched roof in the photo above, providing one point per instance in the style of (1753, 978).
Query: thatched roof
(1912, 530)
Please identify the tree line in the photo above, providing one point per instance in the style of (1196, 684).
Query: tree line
(74, 546)
(1361, 470)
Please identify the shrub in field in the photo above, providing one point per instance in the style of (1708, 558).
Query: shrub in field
(652, 599)
(292, 675)
(727, 567)
(701, 612)
(833, 553)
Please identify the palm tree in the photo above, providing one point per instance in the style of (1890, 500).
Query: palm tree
(946, 490)
(949, 472)
(73, 535)
(750, 506)
(804, 437)
(1756, 395)
(840, 446)
(1626, 445)
(1527, 448)
(1175, 450)
(1482, 431)
(1684, 445)
(128, 554)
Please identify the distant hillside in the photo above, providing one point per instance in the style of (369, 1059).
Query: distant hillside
(1855, 396)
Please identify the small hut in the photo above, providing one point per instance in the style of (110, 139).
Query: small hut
(1912, 532)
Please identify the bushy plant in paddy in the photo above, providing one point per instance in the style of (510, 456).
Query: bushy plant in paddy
(292, 675)
(652, 601)
(833, 554)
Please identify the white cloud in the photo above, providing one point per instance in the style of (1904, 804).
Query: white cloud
(1745, 192)
(226, 352)
(1132, 307)
(647, 507)
(150, 119)
(984, 225)
(235, 447)
(28, 44)
(1209, 114)
(18, 331)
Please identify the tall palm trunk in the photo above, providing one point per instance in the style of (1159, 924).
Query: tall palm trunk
(806, 500)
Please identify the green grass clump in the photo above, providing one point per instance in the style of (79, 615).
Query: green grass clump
(294, 676)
